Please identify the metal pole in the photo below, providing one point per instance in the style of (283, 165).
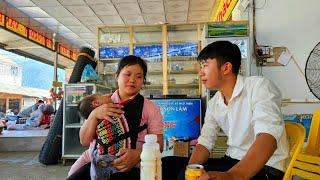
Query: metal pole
(55, 67)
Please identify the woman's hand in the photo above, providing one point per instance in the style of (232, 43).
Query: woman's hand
(128, 158)
(105, 111)
(88, 129)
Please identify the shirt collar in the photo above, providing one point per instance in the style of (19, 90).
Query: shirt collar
(236, 90)
(115, 97)
(238, 87)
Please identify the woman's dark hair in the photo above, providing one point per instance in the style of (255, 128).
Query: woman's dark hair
(222, 51)
(133, 60)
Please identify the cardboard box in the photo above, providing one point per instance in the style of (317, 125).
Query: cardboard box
(181, 148)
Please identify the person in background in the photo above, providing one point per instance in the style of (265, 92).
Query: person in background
(131, 75)
(247, 109)
(25, 113)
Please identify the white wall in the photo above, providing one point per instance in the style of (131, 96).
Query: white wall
(294, 24)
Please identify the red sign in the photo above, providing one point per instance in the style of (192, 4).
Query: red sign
(37, 37)
(74, 56)
(49, 43)
(64, 51)
(224, 10)
(2, 19)
(16, 27)
(33, 35)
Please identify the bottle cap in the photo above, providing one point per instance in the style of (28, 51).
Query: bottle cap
(150, 138)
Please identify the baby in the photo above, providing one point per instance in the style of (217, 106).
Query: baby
(107, 145)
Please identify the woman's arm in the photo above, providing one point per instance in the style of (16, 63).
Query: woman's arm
(87, 130)
(160, 141)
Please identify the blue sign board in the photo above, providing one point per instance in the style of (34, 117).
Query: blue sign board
(181, 118)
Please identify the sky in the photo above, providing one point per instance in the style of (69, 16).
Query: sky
(34, 73)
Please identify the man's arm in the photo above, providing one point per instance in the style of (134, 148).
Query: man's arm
(206, 139)
(257, 156)
(200, 155)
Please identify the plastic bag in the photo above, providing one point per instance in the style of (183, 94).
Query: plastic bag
(89, 74)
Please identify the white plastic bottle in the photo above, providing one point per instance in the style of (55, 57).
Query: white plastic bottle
(150, 159)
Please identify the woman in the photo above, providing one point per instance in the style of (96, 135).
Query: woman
(131, 75)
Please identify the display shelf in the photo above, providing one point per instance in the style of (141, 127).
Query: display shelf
(184, 72)
(74, 92)
(111, 60)
(182, 86)
(74, 152)
(170, 51)
(73, 125)
(182, 58)
(160, 72)
(72, 104)
(172, 86)
(113, 44)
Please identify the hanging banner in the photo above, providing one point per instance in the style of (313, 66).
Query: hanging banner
(49, 43)
(224, 10)
(37, 37)
(16, 27)
(2, 20)
(64, 51)
(74, 56)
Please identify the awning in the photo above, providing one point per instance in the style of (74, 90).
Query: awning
(25, 91)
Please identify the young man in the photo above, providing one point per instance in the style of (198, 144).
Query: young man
(247, 109)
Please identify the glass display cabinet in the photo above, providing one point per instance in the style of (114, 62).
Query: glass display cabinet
(73, 93)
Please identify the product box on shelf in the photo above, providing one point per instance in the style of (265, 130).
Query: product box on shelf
(181, 148)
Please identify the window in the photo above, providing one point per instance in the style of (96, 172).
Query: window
(2, 107)
(14, 105)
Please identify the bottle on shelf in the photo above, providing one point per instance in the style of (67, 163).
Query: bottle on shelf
(150, 159)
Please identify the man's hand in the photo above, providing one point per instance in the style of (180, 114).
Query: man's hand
(217, 176)
(128, 158)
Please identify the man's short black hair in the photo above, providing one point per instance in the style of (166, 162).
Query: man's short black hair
(222, 51)
(40, 101)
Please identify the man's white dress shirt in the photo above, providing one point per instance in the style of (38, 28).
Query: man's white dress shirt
(253, 108)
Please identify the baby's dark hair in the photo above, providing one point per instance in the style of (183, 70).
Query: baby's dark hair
(85, 106)
(133, 60)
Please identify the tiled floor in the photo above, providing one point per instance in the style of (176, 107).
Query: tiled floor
(25, 133)
(25, 166)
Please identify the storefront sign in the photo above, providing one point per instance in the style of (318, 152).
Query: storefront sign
(64, 51)
(37, 37)
(16, 27)
(2, 19)
(74, 56)
(224, 10)
(49, 43)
